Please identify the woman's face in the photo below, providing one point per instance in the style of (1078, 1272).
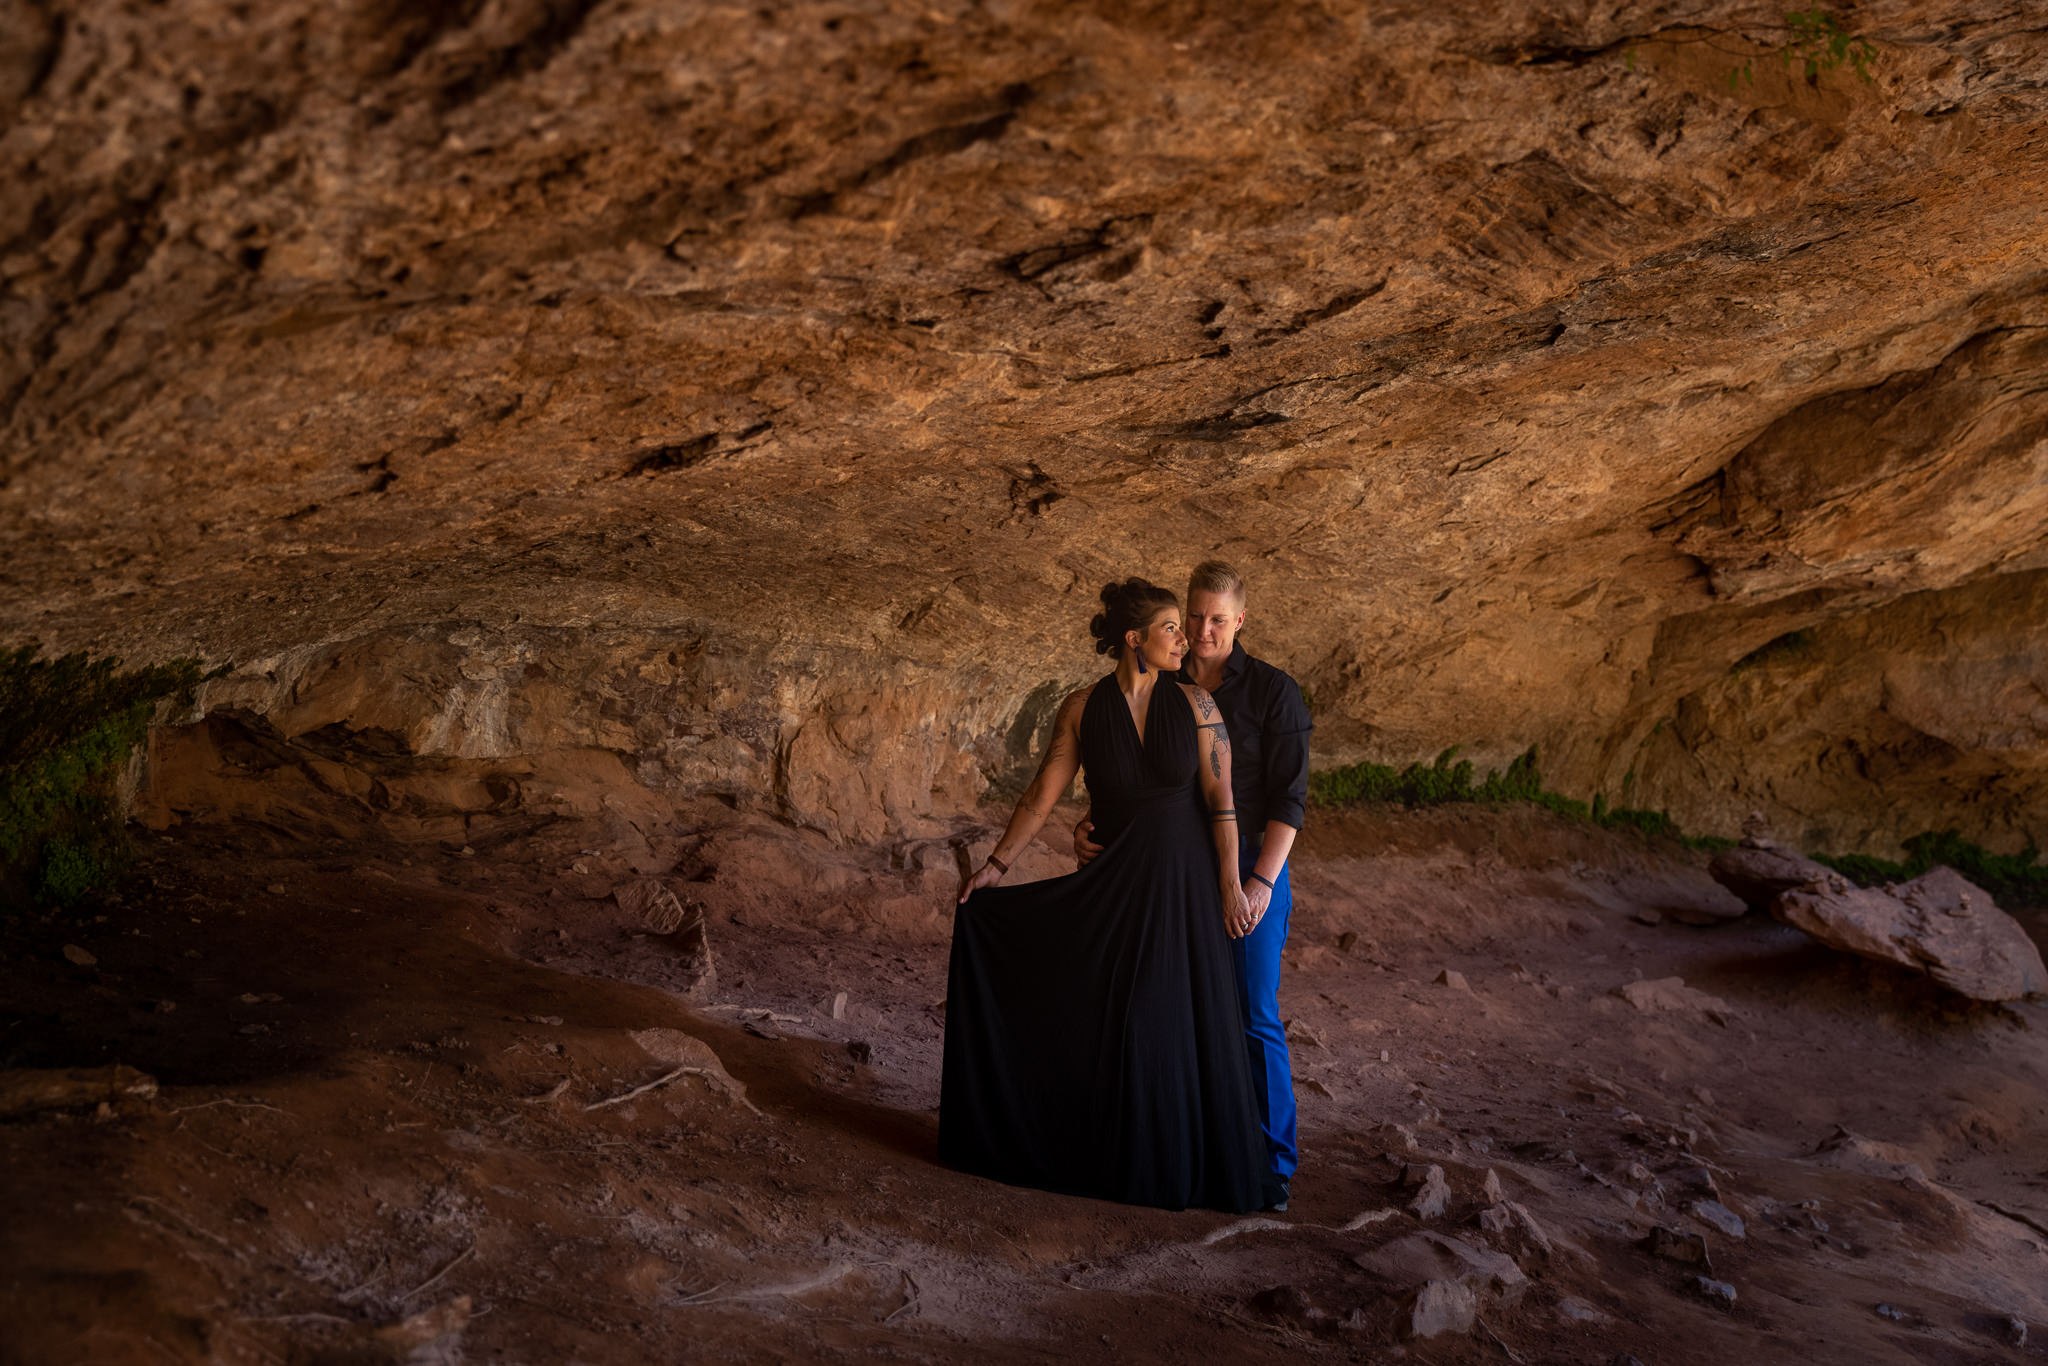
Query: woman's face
(1161, 644)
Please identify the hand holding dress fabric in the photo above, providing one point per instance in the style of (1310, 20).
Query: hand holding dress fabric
(1085, 847)
(988, 875)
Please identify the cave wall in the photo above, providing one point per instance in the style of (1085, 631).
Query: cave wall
(760, 396)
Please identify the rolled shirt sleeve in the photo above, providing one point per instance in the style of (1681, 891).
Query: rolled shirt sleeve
(1287, 728)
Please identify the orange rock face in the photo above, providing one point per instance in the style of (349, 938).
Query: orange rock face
(758, 396)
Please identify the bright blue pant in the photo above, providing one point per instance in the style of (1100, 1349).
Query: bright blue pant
(1257, 956)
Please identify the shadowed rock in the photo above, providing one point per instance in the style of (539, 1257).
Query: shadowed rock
(1939, 923)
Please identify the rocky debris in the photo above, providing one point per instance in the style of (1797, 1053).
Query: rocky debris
(1450, 1278)
(1718, 1215)
(688, 1055)
(1893, 1312)
(1852, 1152)
(1432, 1192)
(79, 957)
(2015, 1331)
(652, 907)
(1939, 923)
(1577, 1311)
(1507, 1217)
(1442, 1307)
(1717, 1292)
(1671, 996)
(1452, 978)
(25, 1091)
(1490, 1188)
(1299, 1032)
(1676, 1245)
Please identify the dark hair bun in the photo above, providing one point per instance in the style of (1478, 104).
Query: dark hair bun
(1127, 606)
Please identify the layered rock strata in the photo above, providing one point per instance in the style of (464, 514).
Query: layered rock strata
(758, 396)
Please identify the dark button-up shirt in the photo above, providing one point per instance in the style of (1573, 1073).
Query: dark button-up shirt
(1269, 724)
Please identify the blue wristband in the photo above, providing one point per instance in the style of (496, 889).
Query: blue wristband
(1269, 886)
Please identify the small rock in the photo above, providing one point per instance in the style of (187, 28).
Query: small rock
(1719, 1292)
(275, 889)
(1346, 940)
(1578, 1311)
(1697, 1179)
(1720, 1216)
(579, 866)
(254, 1029)
(759, 1030)
(1443, 1307)
(861, 1051)
(1892, 1312)
(1433, 1198)
(1648, 916)
(257, 998)
(1495, 1219)
(1626, 1360)
(2015, 1332)
(1670, 995)
(839, 1005)
(1316, 1088)
(1299, 1032)
(1490, 1188)
(164, 1007)
(1676, 1246)
(1452, 978)
(79, 957)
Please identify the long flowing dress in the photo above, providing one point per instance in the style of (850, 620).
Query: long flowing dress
(1094, 1032)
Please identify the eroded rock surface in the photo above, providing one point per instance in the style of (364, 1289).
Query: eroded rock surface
(1939, 923)
(810, 366)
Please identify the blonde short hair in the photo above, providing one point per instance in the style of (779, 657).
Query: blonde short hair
(1214, 576)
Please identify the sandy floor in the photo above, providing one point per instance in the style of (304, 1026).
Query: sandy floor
(382, 1133)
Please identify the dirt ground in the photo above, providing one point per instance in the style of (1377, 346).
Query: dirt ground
(397, 1119)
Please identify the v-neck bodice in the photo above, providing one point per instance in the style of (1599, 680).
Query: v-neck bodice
(1124, 771)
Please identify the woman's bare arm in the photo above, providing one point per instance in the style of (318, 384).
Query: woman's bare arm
(1054, 778)
(1212, 765)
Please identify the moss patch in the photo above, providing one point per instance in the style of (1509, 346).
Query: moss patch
(1451, 779)
(67, 726)
(2012, 879)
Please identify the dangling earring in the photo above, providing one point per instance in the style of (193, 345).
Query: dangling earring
(1141, 663)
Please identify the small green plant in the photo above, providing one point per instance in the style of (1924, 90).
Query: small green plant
(1820, 43)
(67, 726)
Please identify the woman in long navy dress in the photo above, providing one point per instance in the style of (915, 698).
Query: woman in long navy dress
(1094, 1034)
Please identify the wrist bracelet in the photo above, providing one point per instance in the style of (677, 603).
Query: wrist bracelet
(1269, 885)
(1000, 866)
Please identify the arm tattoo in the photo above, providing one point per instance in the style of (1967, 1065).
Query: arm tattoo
(1230, 816)
(1216, 761)
(1204, 703)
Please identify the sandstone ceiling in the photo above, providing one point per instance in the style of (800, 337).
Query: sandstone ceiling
(761, 394)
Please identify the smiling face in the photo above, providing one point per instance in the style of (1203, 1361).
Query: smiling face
(1161, 644)
(1213, 622)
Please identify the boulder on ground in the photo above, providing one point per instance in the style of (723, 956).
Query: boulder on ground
(1761, 874)
(1939, 924)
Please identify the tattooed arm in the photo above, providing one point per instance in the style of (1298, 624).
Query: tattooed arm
(1212, 756)
(1055, 776)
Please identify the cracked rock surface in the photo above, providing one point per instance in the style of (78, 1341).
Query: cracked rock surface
(757, 397)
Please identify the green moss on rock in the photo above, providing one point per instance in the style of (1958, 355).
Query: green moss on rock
(67, 727)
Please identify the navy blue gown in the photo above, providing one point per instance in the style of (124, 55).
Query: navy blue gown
(1094, 1030)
